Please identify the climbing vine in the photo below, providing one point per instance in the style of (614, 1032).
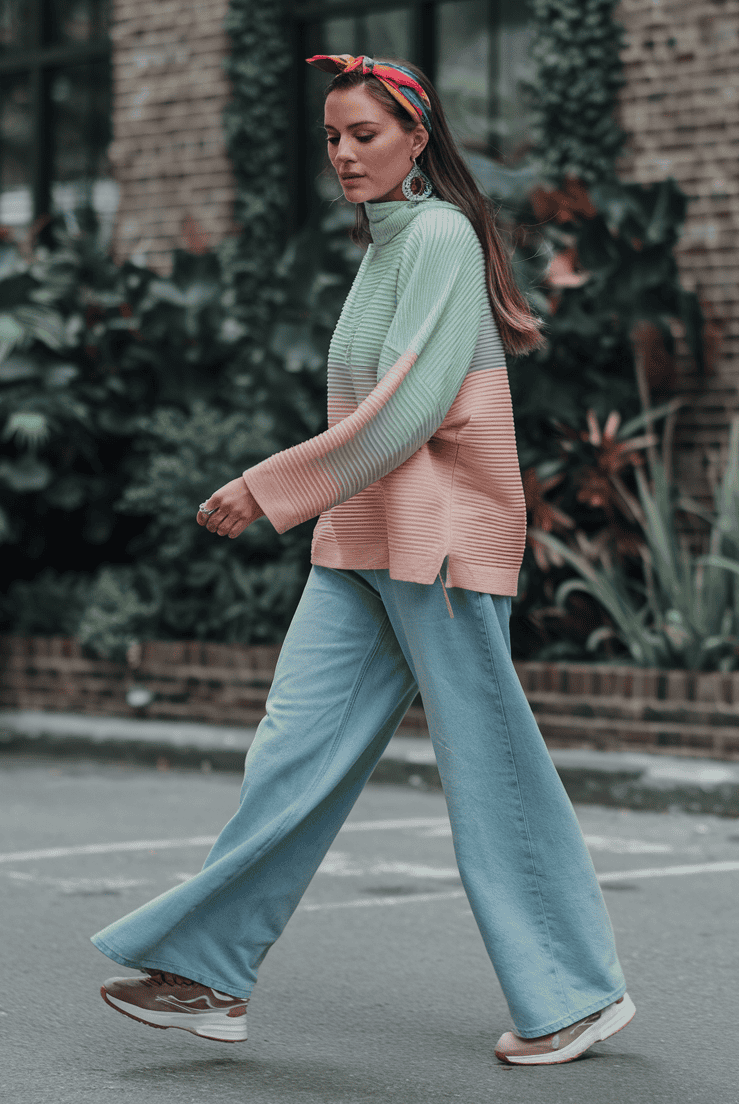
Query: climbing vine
(256, 121)
(578, 77)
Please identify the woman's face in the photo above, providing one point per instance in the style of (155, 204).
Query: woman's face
(367, 141)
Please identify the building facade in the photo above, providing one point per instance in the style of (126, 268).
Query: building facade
(118, 103)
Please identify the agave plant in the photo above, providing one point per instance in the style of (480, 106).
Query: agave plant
(686, 612)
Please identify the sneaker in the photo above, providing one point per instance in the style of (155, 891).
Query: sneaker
(168, 1000)
(569, 1042)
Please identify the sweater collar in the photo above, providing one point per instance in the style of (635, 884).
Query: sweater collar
(388, 219)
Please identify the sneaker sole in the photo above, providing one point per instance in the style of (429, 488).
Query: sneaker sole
(618, 1017)
(219, 1027)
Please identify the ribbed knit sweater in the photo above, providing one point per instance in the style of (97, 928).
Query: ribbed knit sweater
(419, 461)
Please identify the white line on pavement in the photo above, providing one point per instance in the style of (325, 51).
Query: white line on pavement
(667, 871)
(610, 876)
(201, 841)
(408, 822)
(369, 902)
(106, 848)
(79, 885)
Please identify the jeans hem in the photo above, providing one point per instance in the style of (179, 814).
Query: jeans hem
(170, 968)
(566, 1021)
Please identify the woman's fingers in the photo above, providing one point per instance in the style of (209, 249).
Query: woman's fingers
(216, 520)
(234, 509)
(238, 528)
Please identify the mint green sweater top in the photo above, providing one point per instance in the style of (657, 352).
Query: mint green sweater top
(418, 463)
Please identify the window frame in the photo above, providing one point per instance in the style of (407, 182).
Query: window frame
(302, 15)
(40, 61)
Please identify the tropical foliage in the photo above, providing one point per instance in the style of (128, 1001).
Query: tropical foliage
(601, 269)
(684, 610)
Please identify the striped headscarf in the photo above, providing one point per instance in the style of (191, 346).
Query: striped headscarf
(399, 81)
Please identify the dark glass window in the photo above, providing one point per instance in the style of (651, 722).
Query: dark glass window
(477, 53)
(55, 110)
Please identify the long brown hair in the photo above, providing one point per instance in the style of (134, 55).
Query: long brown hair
(453, 182)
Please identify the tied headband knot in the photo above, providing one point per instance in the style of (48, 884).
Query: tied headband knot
(399, 81)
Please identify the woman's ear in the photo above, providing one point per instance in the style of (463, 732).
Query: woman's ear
(420, 140)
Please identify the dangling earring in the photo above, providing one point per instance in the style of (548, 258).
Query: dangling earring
(417, 185)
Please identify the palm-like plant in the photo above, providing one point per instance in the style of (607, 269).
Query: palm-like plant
(686, 612)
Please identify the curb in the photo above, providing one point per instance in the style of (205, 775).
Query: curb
(624, 779)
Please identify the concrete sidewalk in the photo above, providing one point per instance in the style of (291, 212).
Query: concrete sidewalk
(621, 778)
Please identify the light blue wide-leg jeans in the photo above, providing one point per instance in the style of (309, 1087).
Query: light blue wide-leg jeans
(359, 648)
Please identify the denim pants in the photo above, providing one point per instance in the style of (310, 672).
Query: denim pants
(359, 648)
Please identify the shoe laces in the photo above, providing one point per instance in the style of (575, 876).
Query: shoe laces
(159, 977)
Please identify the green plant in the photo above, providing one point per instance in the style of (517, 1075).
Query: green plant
(102, 362)
(185, 582)
(686, 611)
(256, 122)
(94, 346)
(611, 295)
(51, 604)
(579, 73)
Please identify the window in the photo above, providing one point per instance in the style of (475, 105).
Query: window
(55, 111)
(475, 51)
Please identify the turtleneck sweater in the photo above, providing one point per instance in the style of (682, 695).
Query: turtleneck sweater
(419, 462)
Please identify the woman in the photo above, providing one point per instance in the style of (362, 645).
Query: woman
(417, 469)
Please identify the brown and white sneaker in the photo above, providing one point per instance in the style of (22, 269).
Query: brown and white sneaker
(168, 1000)
(569, 1042)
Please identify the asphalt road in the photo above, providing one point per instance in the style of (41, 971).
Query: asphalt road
(380, 989)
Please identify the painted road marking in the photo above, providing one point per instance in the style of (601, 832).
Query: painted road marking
(456, 894)
(92, 885)
(200, 841)
(614, 844)
(370, 902)
(79, 885)
(619, 846)
(106, 848)
(342, 865)
(668, 871)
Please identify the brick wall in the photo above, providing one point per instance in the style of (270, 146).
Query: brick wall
(576, 705)
(168, 152)
(681, 109)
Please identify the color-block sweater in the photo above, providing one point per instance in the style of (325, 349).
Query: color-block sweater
(419, 459)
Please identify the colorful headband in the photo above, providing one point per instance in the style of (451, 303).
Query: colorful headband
(394, 77)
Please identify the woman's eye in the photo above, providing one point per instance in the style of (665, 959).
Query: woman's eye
(361, 137)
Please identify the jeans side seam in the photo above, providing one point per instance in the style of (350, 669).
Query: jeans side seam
(565, 1002)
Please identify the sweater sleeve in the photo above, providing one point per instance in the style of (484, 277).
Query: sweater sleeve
(428, 348)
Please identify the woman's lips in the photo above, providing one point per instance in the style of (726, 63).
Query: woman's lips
(351, 179)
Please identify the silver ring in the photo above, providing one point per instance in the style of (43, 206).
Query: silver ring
(202, 510)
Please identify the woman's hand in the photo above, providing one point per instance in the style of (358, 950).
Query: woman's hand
(235, 509)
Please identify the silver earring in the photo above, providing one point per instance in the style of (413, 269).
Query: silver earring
(423, 188)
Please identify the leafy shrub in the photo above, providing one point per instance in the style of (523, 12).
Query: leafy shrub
(612, 298)
(685, 612)
(90, 347)
(48, 605)
(186, 582)
(130, 397)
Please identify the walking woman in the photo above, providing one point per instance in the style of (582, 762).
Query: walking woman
(416, 473)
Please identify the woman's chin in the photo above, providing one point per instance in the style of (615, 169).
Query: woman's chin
(357, 194)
